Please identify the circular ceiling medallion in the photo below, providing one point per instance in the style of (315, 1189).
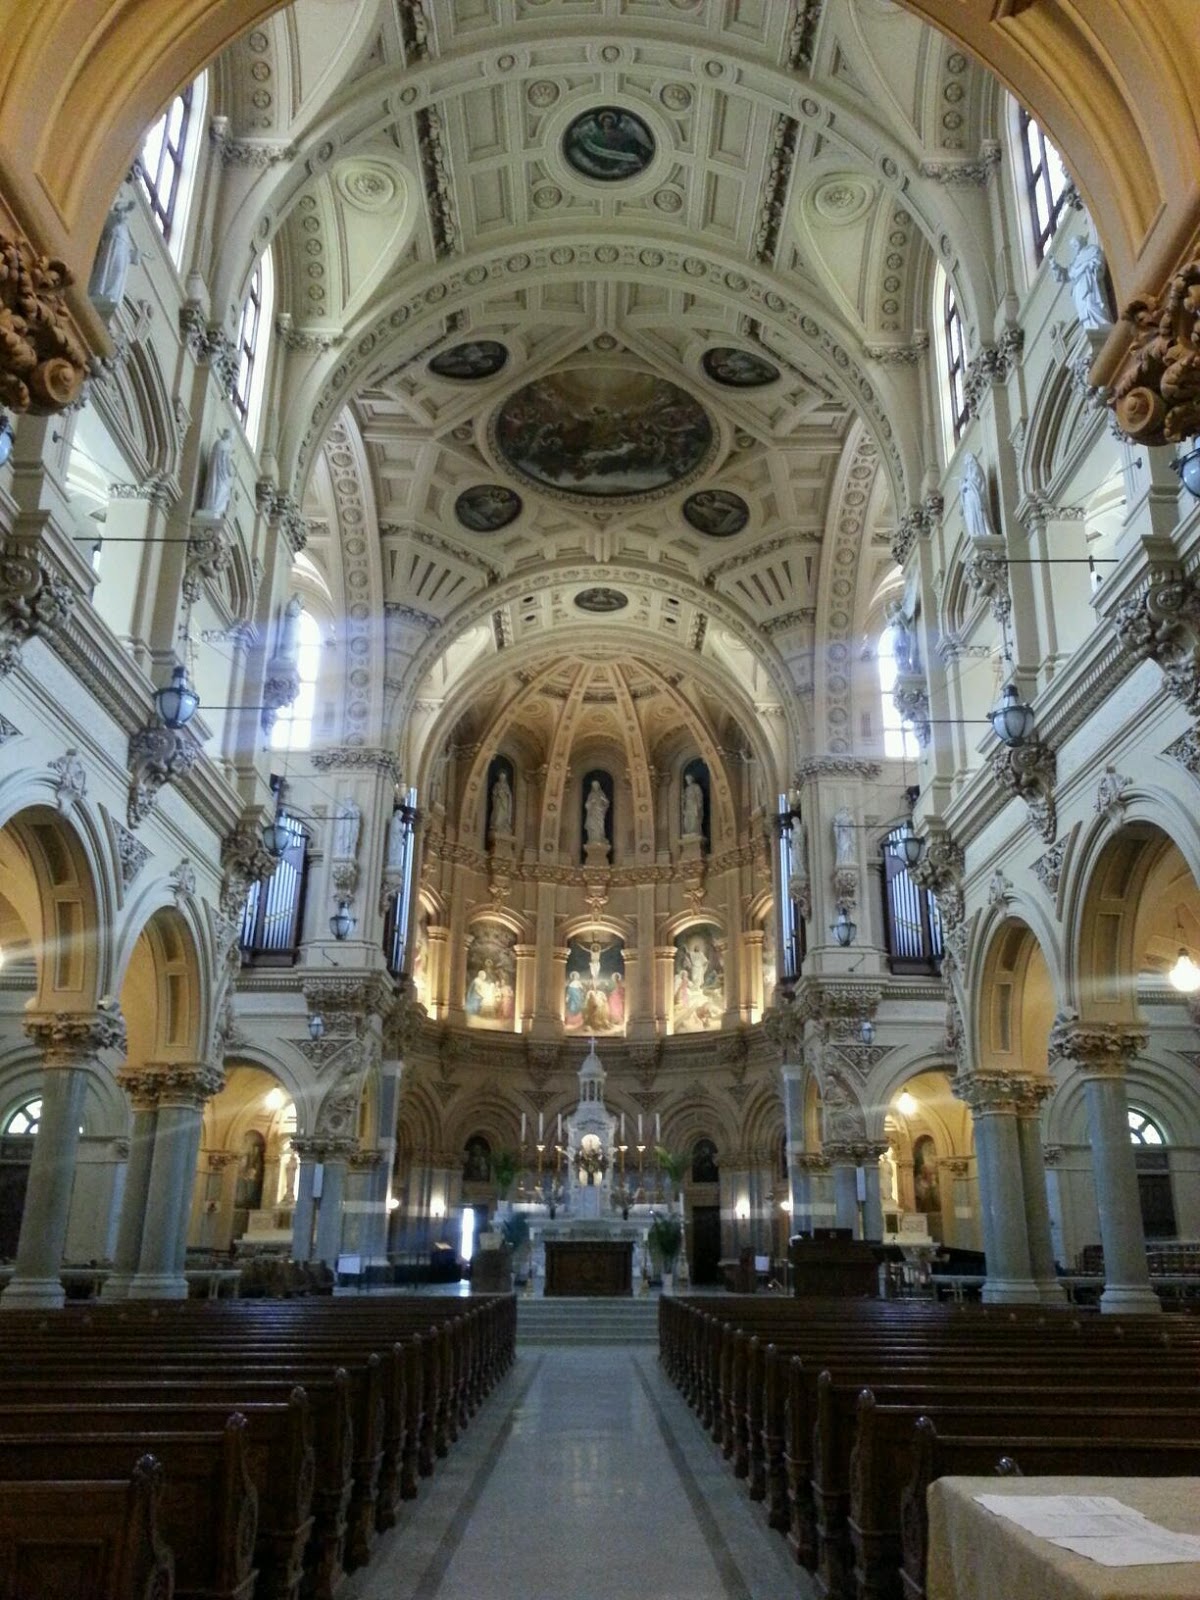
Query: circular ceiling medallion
(738, 369)
(608, 144)
(717, 512)
(603, 432)
(842, 199)
(368, 185)
(487, 507)
(601, 601)
(478, 358)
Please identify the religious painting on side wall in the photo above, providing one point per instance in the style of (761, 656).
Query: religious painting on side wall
(925, 1175)
(699, 999)
(594, 1001)
(490, 1000)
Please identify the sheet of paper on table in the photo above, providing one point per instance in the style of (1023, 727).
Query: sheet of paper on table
(1095, 1525)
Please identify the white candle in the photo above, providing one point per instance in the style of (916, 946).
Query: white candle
(657, 1128)
(640, 1128)
(522, 1127)
(560, 1127)
(541, 1130)
(622, 1127)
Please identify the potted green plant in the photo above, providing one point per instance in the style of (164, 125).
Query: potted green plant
(672, 1165)
(504, 1172)
(665, 1236)
(515, 1232)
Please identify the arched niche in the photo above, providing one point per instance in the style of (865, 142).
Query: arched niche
(1017, 1002)
(161, 992)
(247, 1172)
(53, 900)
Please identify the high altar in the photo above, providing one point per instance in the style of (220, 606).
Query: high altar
(587, 1216)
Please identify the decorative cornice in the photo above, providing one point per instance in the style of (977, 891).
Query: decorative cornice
(355, 758)
(324, 1147)
(158, 488)
(307, 341)
(439, 187)
(42, 364)
(257, 154)
(834, 767)
(898, 355)
(973, 174)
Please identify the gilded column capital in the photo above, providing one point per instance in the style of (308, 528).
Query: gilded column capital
(159, 1083)
(71, 1038)
(1095, 1049)
(42, 363)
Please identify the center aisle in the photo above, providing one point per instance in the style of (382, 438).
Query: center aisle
(587, 1476)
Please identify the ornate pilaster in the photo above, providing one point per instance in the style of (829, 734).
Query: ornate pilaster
(34, 599)
(1155, 395)
(42, 363)
(1030, 770)
(1162, 624)
(157, 755)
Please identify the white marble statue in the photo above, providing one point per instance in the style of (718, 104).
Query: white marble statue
(843, 837)
(595, 809)
(397, 834)
(1086, 276)
(973, 490)
(692, 806)
(903, 636)
(289, 629)
(218, 476)
(797, 849)
(502, 804)
(346, 826)
(114, 257)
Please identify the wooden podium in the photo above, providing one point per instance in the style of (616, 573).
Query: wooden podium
(589, 1267)
(833, 1268)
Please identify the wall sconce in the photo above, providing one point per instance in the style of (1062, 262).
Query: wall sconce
(1188, 468)
(909, 847)
(786, 1205)
(905, 1104)
(6, 438)
(1013, 719)
(843, 929)
(276, 834)
(343, 921)
(866, 1031)
(742, 1210)
(437, 1209)
(316, 1026)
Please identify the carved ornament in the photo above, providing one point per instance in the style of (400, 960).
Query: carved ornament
(42, 363)
(1048, 867)
(1002, 1093)
(1094, 1049)
(1163, 625)
(209, 554)
(73, 1038)
(783, 1026)
(1112, 796)
(1186, 750)
(1155, 396)
(402, 1024)
(244, 860)
(157, 755)
(1030, 770)
(911, 700)
(34, 600)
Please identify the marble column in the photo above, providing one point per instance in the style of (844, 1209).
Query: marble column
(1033, 1182)
(143, 1098)
(792, 1083)
(953, 1172)
(1101, 1053)
(844, 1162)
(70, 1043)
(870, 1155)
(182, 1090)
(993, 1098)
(309, 1153)
(333, 1192)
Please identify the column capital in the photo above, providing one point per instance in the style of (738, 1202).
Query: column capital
(322, 1147)
(219, 1160)
(783, 1026)
(1095, 1049)
(842, 1153)
(811, 1161)
(366, 1160)
(1002, 1093)
(955, 1166)
(179, 1083)
(69, 1038)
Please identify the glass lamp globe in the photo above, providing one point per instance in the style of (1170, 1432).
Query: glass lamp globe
(177, 702)
(342, 922)
(1185, 974)
(6, 439)
(1012, 720)
(909, 848)
(843, 929)
(316, 1026)
(867, 1031)
(276, 834)
(1188, 468)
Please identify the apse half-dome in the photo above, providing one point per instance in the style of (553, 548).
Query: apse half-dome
(604, 433)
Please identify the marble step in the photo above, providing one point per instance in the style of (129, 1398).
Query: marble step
(586, 1321)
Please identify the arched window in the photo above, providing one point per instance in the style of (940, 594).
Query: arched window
(1155, 1197)
(25, 1118)
(1046, 183)
(293, 727)
(954, 352)
(166, 165)
(1142, 1131)
(252, 340)
(899, 740)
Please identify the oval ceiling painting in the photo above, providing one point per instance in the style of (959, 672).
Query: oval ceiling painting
(608, 144)
(477, 358)
(600, 602)
(717, 512)
(738, 369)
(603, 432)
(487, 507)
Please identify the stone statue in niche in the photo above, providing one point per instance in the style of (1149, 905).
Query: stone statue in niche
(346, 828)
(692, 807)
(843, 838)
(396, 837)
(218, 476)
(1086, 276)
(797, 850)
(289, 629)
(973, 490)
(595, 809)
(501, 805)
(116, 254)
(904, 639)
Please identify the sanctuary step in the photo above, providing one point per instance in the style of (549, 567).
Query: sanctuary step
(590, 1320)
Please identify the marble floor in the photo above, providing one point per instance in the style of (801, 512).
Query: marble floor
(586, 1476)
